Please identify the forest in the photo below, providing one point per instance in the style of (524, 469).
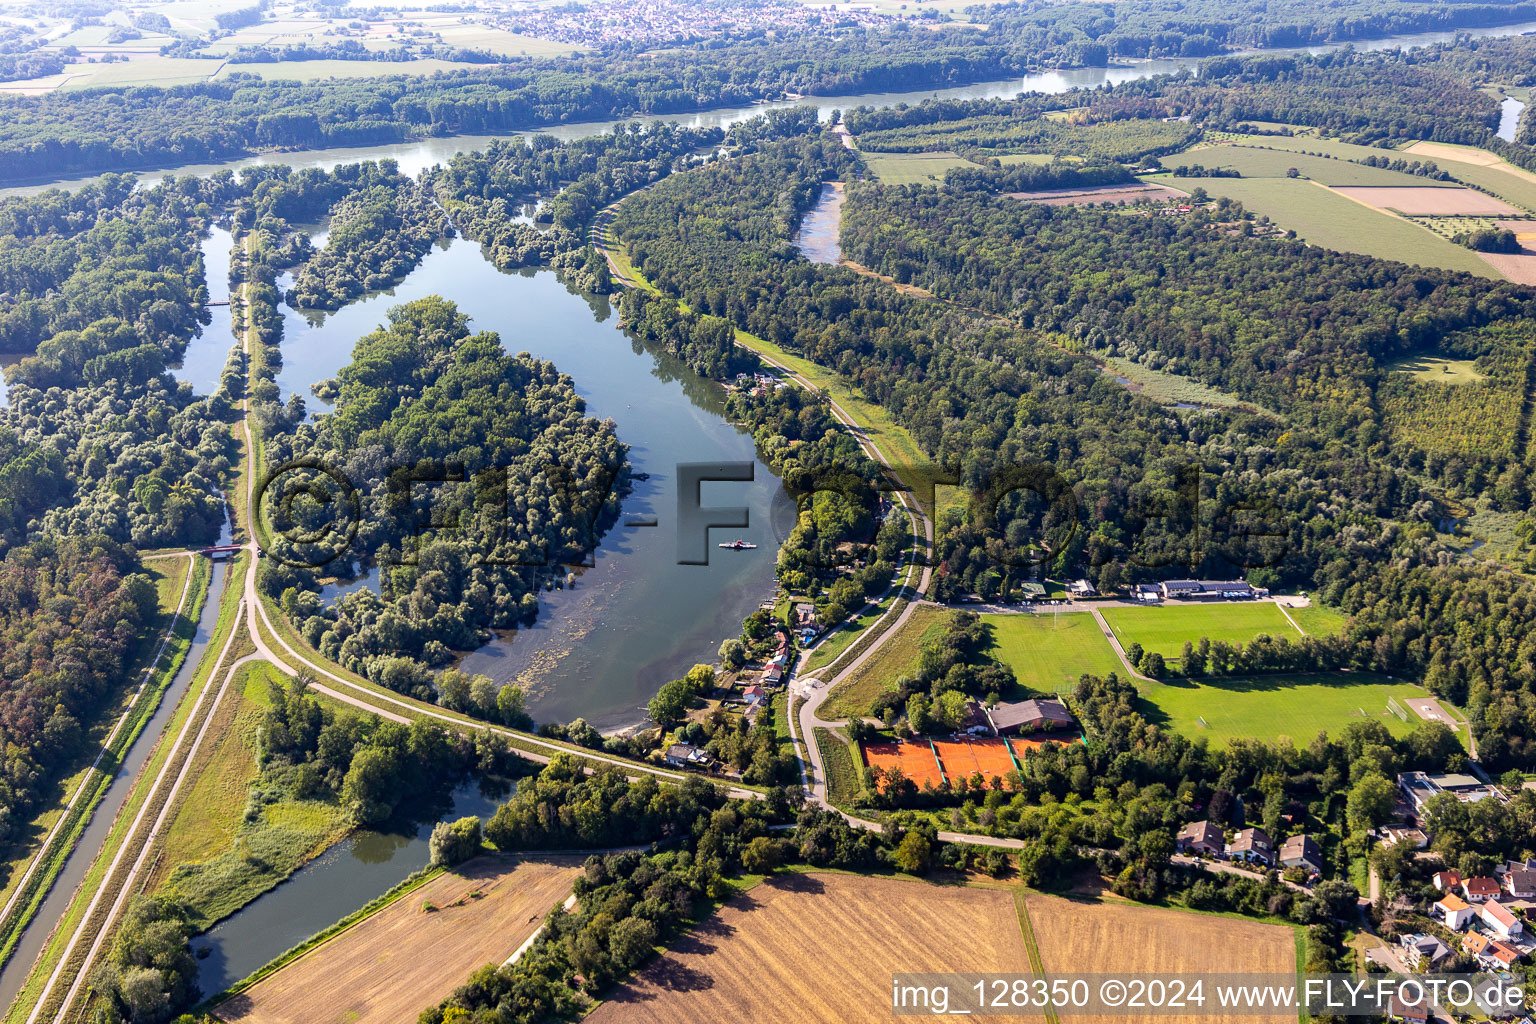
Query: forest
(1124, 490)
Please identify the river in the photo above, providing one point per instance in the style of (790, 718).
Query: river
(349, 875)
(417, 155)
(636, 618)
(14, 975)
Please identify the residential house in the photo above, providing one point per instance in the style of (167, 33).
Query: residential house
(1391, 835)
(1475, 944)
(1520, 883)
(1301, 851)
(773, 675)
(1424, 952)
(1480, 889)
(1030, 716)
(1456, 911)
(1200, 837)
(755, 694)
(804, 615)
(1411, 1012)
(686, 755)
(1494, 996)
(1447, 881)
(1082, 588)
(1501, 920)
(1500, 955)
(1252, 845)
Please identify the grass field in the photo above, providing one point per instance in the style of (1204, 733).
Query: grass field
(896, 657)
(1326, 218)
(314, 70)
(912, 168)
(1437, 369)
(842, 767)
(397, 962)
(821, 947)
(1048, 652)
(1079, 936)
(840, 641)
(1315, 620)
(1164, 628)
(222, 850)
(1170, 388)
(1275, 707)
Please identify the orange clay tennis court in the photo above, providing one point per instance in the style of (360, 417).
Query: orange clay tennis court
(966, 755)
(915, 760)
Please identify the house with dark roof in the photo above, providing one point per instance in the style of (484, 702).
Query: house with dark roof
(1200, 837)
(1252, 845)
(686, 755)
(1422, 952)
(1030, 716)
(1301, 852)
(1520, 883)
(1211, 590)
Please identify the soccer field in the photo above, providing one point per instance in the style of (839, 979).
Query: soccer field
(1294, 707)
(1048, 651)
(1164, 628)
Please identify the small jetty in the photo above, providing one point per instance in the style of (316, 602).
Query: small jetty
(738, 545)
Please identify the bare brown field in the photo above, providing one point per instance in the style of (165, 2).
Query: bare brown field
(1102, 194)
(1128, 939)
(1519, 267)
(1428, 201)
(405, 958)
(821, 948)
(1460, 154)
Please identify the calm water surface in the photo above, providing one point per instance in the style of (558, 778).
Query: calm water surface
(817, 238)
(1509, 118)
(636, 618)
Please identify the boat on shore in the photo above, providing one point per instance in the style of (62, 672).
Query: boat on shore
(738, 545)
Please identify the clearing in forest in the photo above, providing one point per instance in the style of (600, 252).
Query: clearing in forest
(413, 953)
(822, 947)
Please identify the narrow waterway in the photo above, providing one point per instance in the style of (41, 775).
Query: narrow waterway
(636, 618)
(348, 876)
(14, 974)
(818, 237)
(1509, 118)
(420, 154)
(206, 354)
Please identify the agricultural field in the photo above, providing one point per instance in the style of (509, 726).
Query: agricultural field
(1321, 216)
(414, 952)
(893, 659)
(912, 168)
(759, 958)
(1424, 200)
(1049, 651)
(1076, 936)
(1001, 133)
(1117, 194)
(315, 70)
(1276, 707)
(1165, 628)
(1482, 169)
(1252, 160)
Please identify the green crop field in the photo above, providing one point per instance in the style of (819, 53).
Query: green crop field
(912, 168)
(1164, 628)
(1294, 707)
(1323, 217)
(1050, 651)
(1251, 161)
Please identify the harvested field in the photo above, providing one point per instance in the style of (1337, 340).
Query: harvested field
(967, 754)
(1519, 267)
(1128, 939)
(1101, 194)
(915, 759)
(822, 948)
(1429, 201)
(396, 963)
(1460, 154)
